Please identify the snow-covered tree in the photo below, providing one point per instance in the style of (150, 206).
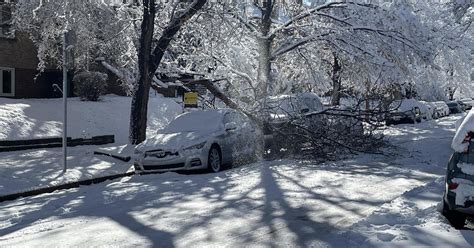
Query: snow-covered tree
(96, 29)
(273, 47)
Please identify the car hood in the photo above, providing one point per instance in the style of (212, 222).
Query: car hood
(174, 141)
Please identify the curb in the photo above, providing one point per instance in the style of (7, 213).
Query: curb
(70, 185)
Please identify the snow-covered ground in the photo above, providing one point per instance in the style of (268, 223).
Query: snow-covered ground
(34, 118)
(364, 201)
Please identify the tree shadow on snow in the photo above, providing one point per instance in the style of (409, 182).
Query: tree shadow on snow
(258, 204)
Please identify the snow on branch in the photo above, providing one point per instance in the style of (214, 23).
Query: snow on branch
(289, 47)
(172, 28)
(312, 11)
(244, 75)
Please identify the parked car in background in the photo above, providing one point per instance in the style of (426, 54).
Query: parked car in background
(404, 111)
(468, 102)
(425, 109)
(282, 110)
(285, 107)
(429, 110)
(442, 109)
(454, 107)
(202, 139)
(464, 107)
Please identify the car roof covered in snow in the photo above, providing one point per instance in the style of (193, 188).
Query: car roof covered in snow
(210, 119)
(405, 104)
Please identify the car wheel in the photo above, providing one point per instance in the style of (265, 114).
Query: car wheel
(214, 162)
(456, 219)
(418, 120)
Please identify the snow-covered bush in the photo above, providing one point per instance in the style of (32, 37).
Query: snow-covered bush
(89, 85)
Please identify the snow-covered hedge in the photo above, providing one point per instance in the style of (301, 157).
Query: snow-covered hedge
(89, 85)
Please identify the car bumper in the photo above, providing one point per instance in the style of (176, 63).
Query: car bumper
(150, 164)
(450, 200)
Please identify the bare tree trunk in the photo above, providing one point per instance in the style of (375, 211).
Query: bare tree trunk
(148, 62)
(264, 46)
(336, 82)
(139, 108)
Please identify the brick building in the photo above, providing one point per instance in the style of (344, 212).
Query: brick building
(19, 77)
(18, 62)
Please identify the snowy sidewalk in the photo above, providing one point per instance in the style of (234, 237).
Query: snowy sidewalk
(35, 118)
(34, 169)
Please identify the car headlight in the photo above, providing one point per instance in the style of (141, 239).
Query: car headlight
(195, 147)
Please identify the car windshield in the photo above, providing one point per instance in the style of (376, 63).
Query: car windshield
(197, 121)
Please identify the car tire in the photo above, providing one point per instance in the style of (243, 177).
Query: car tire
(418, 120)
(214, 159)
(456, 219)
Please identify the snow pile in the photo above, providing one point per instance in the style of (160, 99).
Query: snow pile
(36, 118)
(466, 168)
(464, 192)
(459, 143)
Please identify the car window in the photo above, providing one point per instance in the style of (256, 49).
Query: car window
(469, 156)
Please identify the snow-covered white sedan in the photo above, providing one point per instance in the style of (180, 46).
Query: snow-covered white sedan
(202, 139)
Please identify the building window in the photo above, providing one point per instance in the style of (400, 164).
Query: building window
(7, 81)
(6, 29)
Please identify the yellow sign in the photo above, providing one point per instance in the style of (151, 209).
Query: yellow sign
(190, 99)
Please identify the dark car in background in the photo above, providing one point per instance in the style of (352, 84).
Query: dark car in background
(454, 107)
(467, 103)
(464, 106)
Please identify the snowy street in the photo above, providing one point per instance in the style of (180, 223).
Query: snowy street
(249, 123)
(366, 200)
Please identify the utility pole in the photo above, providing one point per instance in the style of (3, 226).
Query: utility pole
(65, 90)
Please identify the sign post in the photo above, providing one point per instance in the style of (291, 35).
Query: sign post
(191, 100)
(65, 90)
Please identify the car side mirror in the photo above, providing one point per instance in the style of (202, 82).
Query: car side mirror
(230, 126)
(304, 111)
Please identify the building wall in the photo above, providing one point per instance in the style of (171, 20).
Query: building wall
(20, 53)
